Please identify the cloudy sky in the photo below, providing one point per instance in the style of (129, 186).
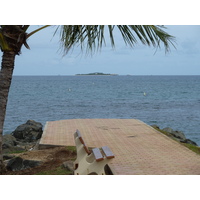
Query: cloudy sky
(46, 58)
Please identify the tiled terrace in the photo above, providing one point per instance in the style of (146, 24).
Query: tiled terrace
(138, 148)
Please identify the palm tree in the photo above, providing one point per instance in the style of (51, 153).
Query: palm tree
(90, 37)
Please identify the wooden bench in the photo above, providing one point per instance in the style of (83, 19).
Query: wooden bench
(90, 162)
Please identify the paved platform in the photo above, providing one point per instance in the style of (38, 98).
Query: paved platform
(139, 149)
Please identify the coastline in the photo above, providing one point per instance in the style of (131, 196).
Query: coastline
(22, 153)
(26, 136)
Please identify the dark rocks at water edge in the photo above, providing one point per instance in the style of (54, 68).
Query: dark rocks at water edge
(177, 135)
(28, 132)
(24, 138)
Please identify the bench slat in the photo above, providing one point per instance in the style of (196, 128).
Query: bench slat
(108, 153)
(97, 154)
(87, 150)
(82, 141)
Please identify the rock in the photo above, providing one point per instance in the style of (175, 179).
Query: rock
(12, 149)
(36, 146)
(9, 141)
(30, 163)
(155, 126)
(188, 141)
(28, 132)
(168, 130)
(26, 145)
(14, 164)
(23, 138)
(69, 165)
(17, 163)
(7, 156)
(10, 144)
(177, 134)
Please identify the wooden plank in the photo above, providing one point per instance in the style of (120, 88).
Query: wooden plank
(86, 149)
(97, 154)
(108, 153)
(82, 141)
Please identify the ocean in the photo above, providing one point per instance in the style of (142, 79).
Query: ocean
(167, 101)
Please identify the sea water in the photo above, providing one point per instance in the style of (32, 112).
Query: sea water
(167, 101)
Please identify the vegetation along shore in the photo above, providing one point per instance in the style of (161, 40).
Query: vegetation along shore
(96, 74)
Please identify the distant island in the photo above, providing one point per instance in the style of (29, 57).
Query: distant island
(96, 74)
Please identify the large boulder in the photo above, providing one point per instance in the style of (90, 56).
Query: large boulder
(28, 132)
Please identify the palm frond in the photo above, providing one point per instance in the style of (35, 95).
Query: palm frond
(35, 31)
(100, 36)
(93, 36)
(158, 36)
(110, 27)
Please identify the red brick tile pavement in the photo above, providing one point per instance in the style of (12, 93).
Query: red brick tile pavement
(138, 148)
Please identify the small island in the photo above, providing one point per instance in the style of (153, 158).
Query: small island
(96, 74)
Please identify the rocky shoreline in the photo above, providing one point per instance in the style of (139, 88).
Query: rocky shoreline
(26, 138)
(175, 134)
(23, 138)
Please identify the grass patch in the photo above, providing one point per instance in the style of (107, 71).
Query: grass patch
(71, 148)
(57, 171)
(194, 148)
(15, 152)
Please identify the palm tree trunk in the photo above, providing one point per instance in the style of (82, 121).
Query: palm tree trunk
(6, 73)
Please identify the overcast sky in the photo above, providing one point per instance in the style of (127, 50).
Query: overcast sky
(45, 57)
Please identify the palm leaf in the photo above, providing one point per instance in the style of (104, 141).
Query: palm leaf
(35, 31)
(92, 36)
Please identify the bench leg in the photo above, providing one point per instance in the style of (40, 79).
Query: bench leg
(94, 167)
(81, 153)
